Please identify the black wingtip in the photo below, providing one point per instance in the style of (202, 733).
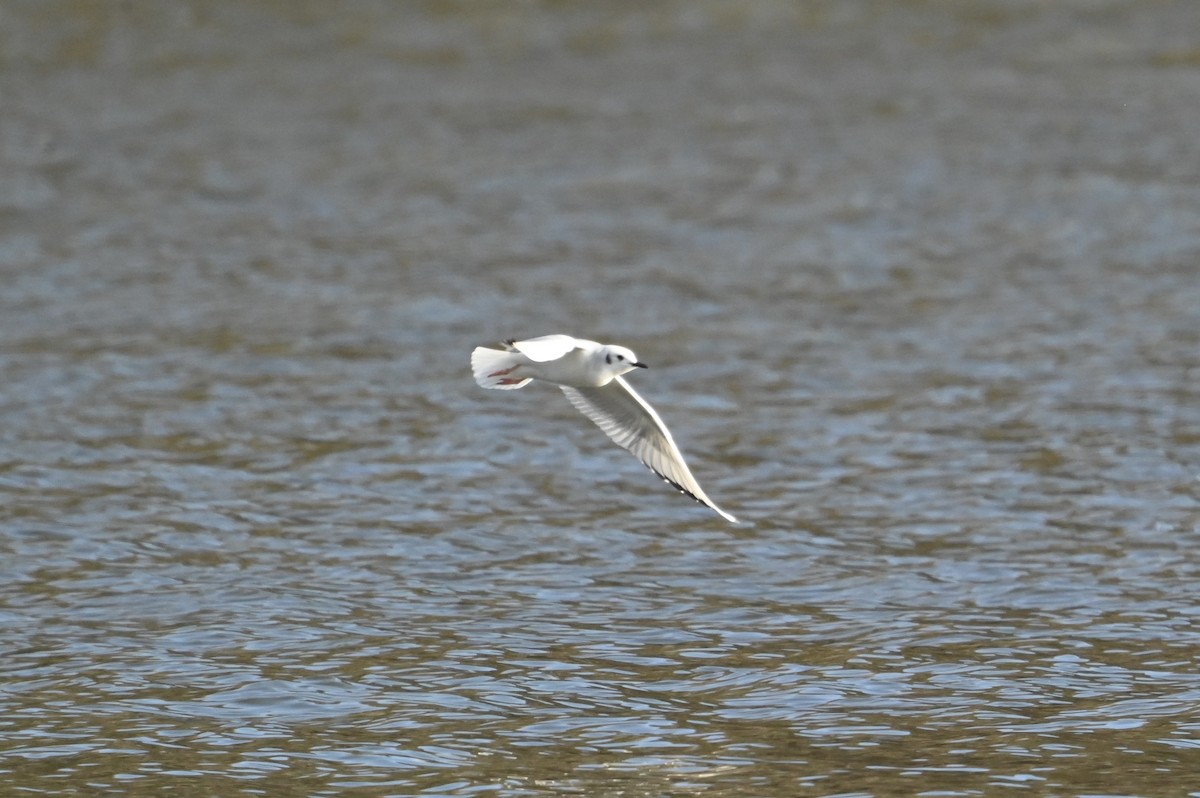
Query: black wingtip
(678, 487)
(727, 516)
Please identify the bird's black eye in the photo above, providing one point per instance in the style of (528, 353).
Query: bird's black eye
(620, 357)
(608, 359)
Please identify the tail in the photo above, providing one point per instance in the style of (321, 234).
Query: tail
(491, 367)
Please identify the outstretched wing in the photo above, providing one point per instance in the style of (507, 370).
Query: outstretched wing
(633, 425)
(545, 348)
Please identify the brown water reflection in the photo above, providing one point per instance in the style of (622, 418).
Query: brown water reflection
(919, 288)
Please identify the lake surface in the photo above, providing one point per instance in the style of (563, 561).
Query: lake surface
(919, 286)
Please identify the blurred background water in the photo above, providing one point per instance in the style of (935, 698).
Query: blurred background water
(918, 285)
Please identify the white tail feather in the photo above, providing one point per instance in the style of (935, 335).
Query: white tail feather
(485, 363)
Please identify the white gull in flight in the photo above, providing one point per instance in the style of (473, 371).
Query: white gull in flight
(589, 374)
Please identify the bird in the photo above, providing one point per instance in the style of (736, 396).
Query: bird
(590, 374)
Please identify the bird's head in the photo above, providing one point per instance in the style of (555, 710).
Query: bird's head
(618, 360)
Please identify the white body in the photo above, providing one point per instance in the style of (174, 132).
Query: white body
(559, 359)
(589, 373)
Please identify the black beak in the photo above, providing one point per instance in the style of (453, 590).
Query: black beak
(641, 365)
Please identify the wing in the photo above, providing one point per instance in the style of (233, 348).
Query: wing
(548, 347)
(632, 424)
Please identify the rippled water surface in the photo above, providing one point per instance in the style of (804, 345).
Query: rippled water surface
(919, 287)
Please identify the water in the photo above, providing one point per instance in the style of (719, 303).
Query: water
(918, 290)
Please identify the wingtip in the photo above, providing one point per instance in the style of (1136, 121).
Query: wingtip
(698, 498)
(730, 517)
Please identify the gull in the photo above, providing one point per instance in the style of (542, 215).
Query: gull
(589, 373)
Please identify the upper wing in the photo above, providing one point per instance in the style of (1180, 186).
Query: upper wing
(547, 347)
(632, 424)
